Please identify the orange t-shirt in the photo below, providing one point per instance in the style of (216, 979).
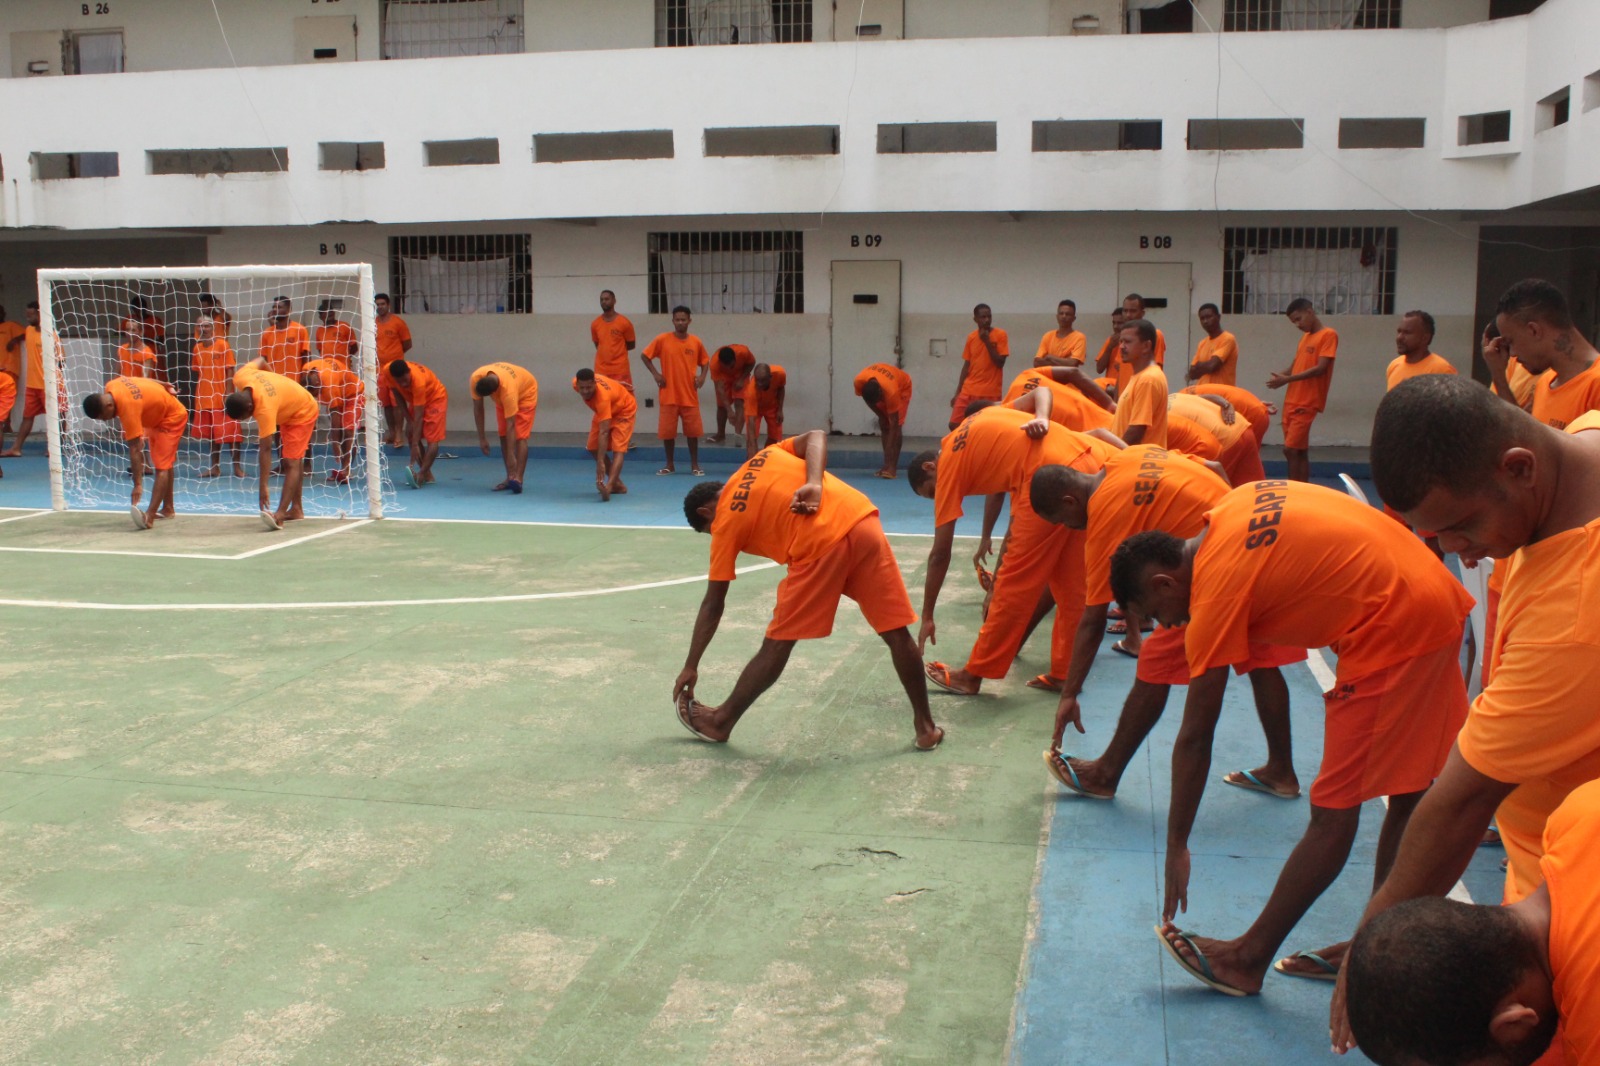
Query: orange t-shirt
(426, 388)
(1208, 416)
(1243, 400)
(213, 369)
(988, 453)
(336, 342)
(518, 388)
(896, 384)
(11, 358)
(1399, 369)
(1191, 439)
(1224, 346)
(338, 387)
(753, 513)
(1571, 869)
(34, 343)
(392, 336)
(610, 400)
(1522, 381)
(1299, 565)
(137, 362)
(743, 360)
(1534, 725)
(1145, 488)
(1068, 406)
(283, 349)
(1144, 403)
(1312, 393)
(1054, 346)
(984, 381)
(1111, 351)
(1556, 405)
(1124, 369)
(279, 401)
(611, 340)
(143, 403)
(758, 402)
(679, 363)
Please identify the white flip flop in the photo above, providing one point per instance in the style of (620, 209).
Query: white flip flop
(269, 521)
(136, 513)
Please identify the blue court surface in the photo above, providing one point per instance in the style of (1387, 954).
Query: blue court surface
(1095, 985)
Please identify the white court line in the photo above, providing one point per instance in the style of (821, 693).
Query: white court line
(524, 597)
(20, 517)
(682, 528)
(340, 528)
(108, 551)
(1325, 678)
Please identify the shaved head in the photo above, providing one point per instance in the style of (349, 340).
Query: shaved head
(1440, 431)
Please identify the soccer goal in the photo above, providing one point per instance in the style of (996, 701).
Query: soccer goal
(191, 327)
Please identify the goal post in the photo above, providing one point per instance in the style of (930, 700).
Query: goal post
(191, 327)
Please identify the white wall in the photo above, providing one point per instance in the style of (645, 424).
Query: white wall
(949, 263)
(1436, 74)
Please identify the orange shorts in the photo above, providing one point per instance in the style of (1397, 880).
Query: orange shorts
(347, 419)
(862, 566)
(617, 439)
(32, 403)
(164, 444)
(433, 421)
(216, 426)
(673, 413)
(1259, 423)
(296, 439)
(1297, 427)
(752, 427)
(1387, 734)
(387, 396)
(1242, 462)
(8, 395)
(958, 410)
(524, 423)
(1162, 660)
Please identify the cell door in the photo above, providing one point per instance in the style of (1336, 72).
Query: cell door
(865, 329)
(1167, 289)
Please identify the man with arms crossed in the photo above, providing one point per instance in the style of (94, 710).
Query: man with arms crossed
(1301, 566)
(1065, 345)
(783, 506)
(148, 412)
(613, 339)
(1216, 359)
(282, 409)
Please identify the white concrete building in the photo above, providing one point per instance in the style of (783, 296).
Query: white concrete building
(840, 193)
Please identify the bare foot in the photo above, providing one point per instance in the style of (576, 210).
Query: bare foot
(166, 512)
(295, 514)
(1280, 784)
(238, 471)
(215, 471)
(11, 453)
(930, 740)
(605, 489)
(501, 487)
(1223, 956)
(700, 716)
(957, 681)
(886, 474)
(1091, 778)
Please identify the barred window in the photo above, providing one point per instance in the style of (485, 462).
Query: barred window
(690, 22)
(728, 273)
(1311, 15)
(430, 29)
(485, 274)
(1342, 270)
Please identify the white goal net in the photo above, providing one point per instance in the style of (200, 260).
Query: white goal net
(191, 328)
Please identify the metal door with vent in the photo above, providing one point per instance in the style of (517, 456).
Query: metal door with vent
(865, 329)
(324, 39)
(1166, 288)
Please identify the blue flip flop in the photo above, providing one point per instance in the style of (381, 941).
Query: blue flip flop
(1252, 783)
(1202, 972)
(1326, 971)
(1063, 772)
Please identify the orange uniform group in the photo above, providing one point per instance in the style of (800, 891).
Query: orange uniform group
(896, 385)
(284, 349)
(1276, 567)
(1237, 448)
(611, 401)
(426, 396)
(679, 362)
(282, 406)
(839, 551)
(335, 342)
(1224, 346)
(213, 364)
(989, 453)
(1304, 400)
(147, 409)
(516, 401)
(1146, 487)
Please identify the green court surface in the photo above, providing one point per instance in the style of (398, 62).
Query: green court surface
(243, 826)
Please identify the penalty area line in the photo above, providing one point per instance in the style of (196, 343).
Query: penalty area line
(312, 605)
